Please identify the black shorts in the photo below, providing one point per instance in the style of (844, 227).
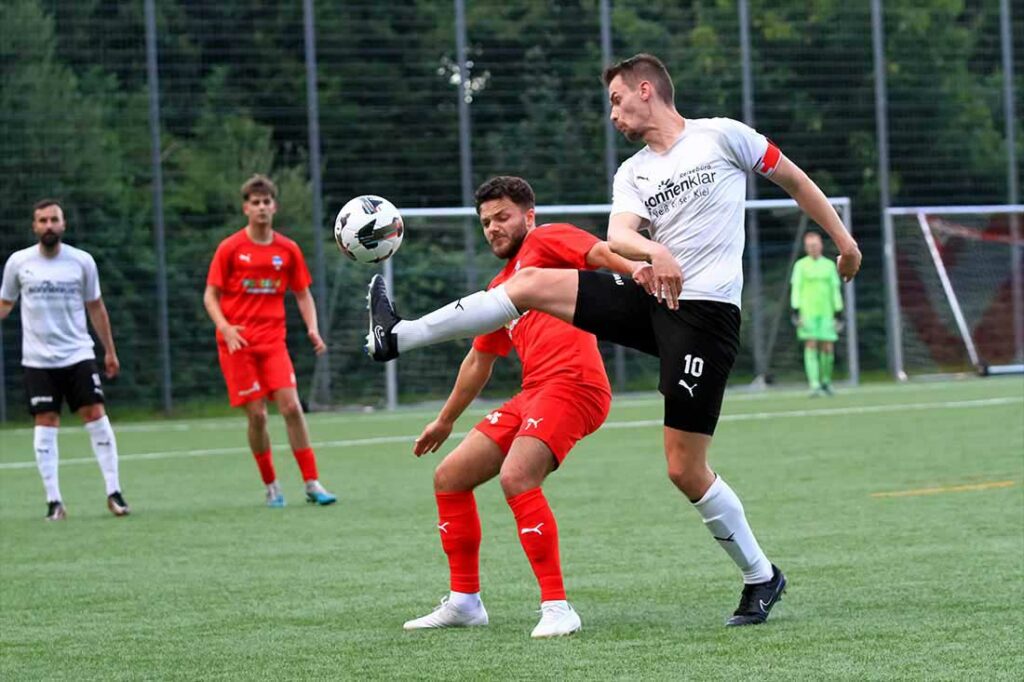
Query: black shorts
(78, 384)
(697, 343)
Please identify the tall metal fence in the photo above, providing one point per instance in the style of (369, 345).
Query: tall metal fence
(144, 118)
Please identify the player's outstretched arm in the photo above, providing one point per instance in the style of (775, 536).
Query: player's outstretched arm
(474, 374)
(666, 280)
(602, 256)
(232, 333)
(812, 200)
(100, 320)
(307, 309)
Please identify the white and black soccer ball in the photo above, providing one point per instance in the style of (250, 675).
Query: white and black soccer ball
(369, 229)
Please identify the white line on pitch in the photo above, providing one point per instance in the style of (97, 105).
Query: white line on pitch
(384, 440)
(733, 395)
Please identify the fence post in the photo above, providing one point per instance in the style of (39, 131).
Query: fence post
(465, 143)
(321, 392)
(152, 77)
(1012, 186)
(753, 225)
(610, 160)
(892, 306)
(852, 349)
(3, 379)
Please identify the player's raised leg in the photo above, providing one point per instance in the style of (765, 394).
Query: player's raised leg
(529, 462)
(551, 291)
(475, 460)
(288, 405)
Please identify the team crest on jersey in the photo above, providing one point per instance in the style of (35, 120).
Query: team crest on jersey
(277, 262)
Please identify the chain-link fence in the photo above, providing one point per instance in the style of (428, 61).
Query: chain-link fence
(133, 134)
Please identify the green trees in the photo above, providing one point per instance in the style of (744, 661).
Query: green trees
(73, 123)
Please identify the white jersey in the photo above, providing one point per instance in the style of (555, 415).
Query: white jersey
(691, 198)
(53, 294)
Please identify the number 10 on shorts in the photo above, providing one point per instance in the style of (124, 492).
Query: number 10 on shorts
(693, 366)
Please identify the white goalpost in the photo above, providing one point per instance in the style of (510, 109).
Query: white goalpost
(955, 288)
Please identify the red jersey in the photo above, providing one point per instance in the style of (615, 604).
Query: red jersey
(253, 279)
(549, 349)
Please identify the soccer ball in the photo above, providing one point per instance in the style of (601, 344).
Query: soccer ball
(369, 229)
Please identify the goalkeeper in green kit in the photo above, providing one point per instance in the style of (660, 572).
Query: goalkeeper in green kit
(817, 304)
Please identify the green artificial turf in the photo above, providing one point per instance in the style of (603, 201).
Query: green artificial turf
(203, 582)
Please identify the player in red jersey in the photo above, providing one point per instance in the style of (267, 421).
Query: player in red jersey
(565, 396)
(249, 275)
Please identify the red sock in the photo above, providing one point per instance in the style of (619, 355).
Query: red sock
(307, 464)
(266, 465)
(459, 526)
(538, 534)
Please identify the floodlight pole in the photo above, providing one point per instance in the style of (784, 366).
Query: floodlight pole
(322, 369)
(153, 82)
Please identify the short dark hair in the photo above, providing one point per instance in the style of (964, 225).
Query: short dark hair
(812, 233)
(643, 67)
(506, 187)
(45, 203)
(259, 184)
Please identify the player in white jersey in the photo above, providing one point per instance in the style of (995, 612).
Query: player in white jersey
(687, 187)
(58, 285)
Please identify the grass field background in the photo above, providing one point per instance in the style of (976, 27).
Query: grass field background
(203, 582)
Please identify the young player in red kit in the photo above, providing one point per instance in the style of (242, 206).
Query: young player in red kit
(249, 275)
(565, 397)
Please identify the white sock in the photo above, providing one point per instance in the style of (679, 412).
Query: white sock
(465, 601)
(273, 489)
(44, 441)
(104, 446)
(723, 515)
(475, 314)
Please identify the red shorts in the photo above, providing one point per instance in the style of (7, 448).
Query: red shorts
(560, 415)
(254, 372)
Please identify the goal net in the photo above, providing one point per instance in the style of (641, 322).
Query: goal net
(958, 288)
(444, 256)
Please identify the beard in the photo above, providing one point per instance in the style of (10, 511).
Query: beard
(49, 239)
(511, 244)
(507, 250)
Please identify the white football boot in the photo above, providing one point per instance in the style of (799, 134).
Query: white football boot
(448, 615)
(557, 618)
